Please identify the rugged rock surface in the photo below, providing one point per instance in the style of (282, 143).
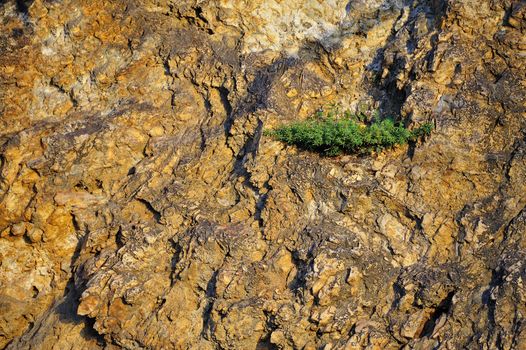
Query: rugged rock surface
(141, 206)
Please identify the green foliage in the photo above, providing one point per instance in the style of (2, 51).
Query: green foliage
(336, 133)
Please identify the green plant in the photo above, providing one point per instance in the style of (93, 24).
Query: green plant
(337, 133)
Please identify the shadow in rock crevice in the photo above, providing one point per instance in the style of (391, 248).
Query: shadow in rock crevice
(23, 6)
(392, 60)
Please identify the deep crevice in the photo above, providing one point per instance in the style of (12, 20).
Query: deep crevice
(156, 214)
(443, 308)
(22, 6)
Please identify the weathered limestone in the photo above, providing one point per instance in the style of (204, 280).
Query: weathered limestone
(141, 205)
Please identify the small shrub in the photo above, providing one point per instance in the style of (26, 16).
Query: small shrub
(334, 134)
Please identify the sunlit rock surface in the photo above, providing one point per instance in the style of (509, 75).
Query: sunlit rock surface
(141, 206)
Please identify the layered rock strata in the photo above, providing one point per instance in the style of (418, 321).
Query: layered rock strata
(141, 206)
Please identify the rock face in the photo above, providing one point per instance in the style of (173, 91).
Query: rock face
(141, 206)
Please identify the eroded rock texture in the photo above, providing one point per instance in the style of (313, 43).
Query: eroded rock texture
(141, 207)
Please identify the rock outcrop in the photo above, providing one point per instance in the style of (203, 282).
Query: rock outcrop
(141, 206)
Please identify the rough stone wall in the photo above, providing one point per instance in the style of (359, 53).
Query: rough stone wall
(141, 207)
